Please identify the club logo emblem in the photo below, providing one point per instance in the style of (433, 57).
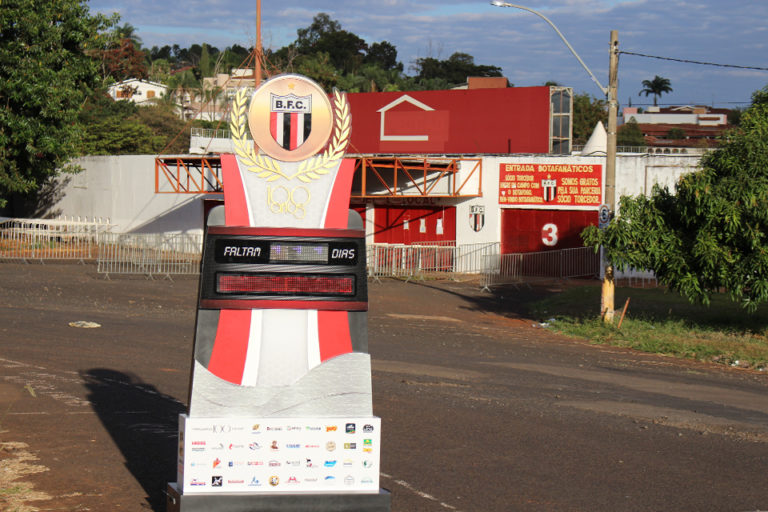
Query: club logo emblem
(291, 119)
(549, 187)
(476, 217)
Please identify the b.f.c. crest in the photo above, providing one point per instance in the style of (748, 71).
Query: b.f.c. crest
(290, 119)
(549, 187)
(476, 217)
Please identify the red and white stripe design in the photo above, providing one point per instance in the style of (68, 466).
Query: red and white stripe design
(289, 129)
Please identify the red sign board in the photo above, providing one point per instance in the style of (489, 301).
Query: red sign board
(551, 185)
(511, 120)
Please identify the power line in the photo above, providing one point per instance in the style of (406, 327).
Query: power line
(694, 61)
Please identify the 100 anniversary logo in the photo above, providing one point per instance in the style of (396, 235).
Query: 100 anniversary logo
(291, 120)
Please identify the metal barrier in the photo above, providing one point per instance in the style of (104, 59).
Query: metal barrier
(154, 254)
(50, 239)
(149, 254)
(562, 264)
(474, 258)
(634, 278)
(420, 261)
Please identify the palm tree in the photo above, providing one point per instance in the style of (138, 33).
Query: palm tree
(127, 31)
(658, 86)
(183, 87)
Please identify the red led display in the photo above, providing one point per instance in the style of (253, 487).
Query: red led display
(285, 284)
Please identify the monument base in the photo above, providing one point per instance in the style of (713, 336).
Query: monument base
(177, 502)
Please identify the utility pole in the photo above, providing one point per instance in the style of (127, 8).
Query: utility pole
(257, 49)
(607, 299)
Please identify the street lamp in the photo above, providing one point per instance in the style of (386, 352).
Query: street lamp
(505, 4)
(606, 308)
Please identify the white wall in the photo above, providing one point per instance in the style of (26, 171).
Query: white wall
(122, 188)
(199, 145)
(636, 174)
(658, 118)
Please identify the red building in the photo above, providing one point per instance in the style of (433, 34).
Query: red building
(432, 167)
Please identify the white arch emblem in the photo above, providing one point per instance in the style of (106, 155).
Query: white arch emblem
(383, 110)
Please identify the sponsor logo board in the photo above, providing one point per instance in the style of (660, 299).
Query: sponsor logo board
(301, 455)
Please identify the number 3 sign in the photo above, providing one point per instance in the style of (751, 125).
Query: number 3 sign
(549, 235)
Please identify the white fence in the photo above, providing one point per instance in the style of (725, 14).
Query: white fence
(419, 261)
(50, 239)
(565, 263)
(150, 254)
(635, 278)
(153, 254)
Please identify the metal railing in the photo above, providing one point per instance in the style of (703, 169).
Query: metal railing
(653, 150)
(50, 239)
(210, 133)
(474, 258)
(634, 278)
(150, 254)
(157, 254)
(420, 261)
(561, 264)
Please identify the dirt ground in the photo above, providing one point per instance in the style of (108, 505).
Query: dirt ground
(482, 409)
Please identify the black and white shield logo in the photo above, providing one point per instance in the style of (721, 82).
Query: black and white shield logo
(549, 188)
(290, 120)
(476, 217)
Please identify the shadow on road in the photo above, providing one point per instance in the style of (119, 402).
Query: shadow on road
(510, 300)
(143, 424)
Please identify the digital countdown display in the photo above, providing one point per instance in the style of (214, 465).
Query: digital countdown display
(251, 252)
(247, 268)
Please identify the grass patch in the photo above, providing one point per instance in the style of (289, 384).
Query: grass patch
(664, 323)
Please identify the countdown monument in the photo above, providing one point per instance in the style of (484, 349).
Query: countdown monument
(280, 411)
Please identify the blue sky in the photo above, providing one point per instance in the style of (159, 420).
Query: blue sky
(521, 43)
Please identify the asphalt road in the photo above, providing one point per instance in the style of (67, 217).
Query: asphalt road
(482, 409)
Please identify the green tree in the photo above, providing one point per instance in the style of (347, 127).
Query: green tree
(319, 68)
(45, 76)
(169, 132)
(182, 90)
(122, 60)
(629, 134)
(127, 31)
(734, 116)
(321, 25)
(658, 86)
(119, 136)
(713, 233)
(371, 78)
(587, 112)
(344, 49)
(206, 65)
(160, 53)
(121, 127)
(675, 133)
(760, 97)
(455, 69)
(383, 55)
(160, 71)
(234, 57)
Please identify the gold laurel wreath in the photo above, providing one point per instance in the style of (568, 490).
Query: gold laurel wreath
(310, 169)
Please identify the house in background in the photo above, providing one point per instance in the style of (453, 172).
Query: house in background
(141, 92)
(681, 126)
